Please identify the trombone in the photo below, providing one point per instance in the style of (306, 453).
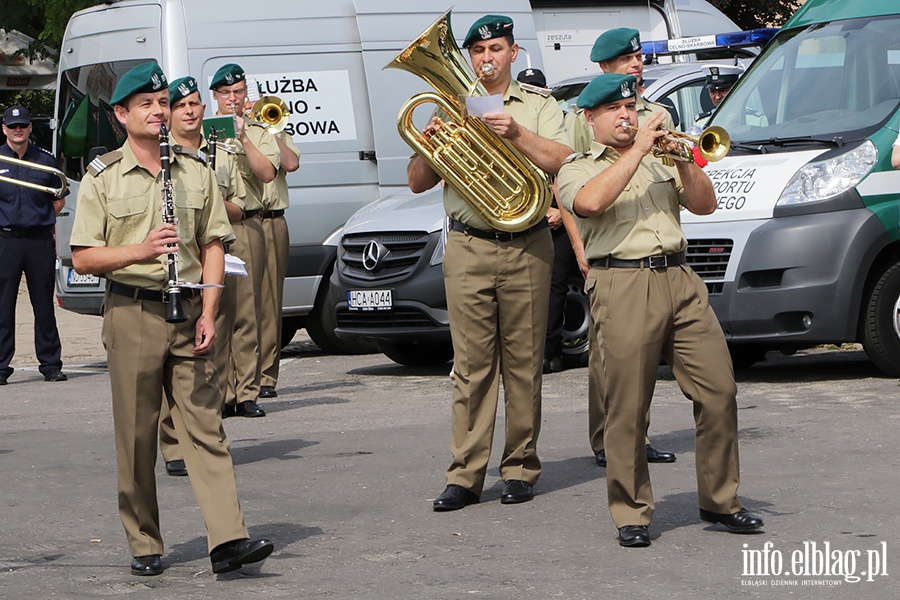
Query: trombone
(271, 110)
(57, 192)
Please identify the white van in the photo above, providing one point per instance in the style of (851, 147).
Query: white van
(804, 247)
(325, 60)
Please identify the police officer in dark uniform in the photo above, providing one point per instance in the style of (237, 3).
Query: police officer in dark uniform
(719, 81)
(27, 217)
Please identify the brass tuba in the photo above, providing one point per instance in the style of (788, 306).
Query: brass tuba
(492, 176)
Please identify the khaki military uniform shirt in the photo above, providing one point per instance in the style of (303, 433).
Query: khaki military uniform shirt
(643, 221)
(228, 176)
(265, 143)
(121, 204)
(580, 134)
(536, 113)
(277, 196)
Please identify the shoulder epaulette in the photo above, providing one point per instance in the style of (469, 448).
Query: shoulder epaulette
(575, 156)
(188, 151)
(99, 164)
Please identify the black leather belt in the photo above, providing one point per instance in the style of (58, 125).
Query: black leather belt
(272, 214)
(249, 214)
(494, 234)
(660, 261)
(25, 232)
(136, 293)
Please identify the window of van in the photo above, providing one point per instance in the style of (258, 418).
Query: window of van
(837, 79)
(87, 124)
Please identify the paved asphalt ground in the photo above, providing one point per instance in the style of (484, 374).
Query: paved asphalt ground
(342, 472)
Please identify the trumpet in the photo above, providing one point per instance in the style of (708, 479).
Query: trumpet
(713, 144)
(271, 110)
(57, 192)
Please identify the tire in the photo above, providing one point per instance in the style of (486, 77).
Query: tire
(322, 321)
(744, 356)
(576, 326)
(289, 327)
(881, 322)
(415, 354)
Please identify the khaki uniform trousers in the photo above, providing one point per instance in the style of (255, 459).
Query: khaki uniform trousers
(277, 240)
(249, 246)
(497, 297)
(643, 314)
(168, 438)
(151, 363)
(596, 410)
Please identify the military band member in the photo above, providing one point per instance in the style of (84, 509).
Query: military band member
(646, 303)
(277, 244)
(119, 234)
(187, 130)
(615, 51)
(497, 290)
(257, 162)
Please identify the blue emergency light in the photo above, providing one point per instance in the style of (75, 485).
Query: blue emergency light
(736, 39)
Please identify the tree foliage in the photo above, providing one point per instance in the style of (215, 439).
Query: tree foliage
(758, 13)
(44, 20)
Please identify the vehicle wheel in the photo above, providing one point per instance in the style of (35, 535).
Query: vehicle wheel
(881, 323)
(289, 327)
(320, 325)
(576, 326)
(414, 354)
(744, 356)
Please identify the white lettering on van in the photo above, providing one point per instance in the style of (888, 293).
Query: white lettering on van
(320, 102)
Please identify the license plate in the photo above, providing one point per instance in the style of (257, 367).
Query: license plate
(369, 299)
(74, 279)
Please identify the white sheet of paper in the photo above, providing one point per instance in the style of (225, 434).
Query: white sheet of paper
(478, 106)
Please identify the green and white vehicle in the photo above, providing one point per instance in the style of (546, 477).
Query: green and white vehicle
(804, 248)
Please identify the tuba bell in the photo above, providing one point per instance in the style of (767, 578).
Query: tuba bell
(492, 176)
(271, 110)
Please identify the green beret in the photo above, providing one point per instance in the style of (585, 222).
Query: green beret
(146, 77)
(615, 42)
(606, 89)
(227, 75)
(180, 88)
(488, 27)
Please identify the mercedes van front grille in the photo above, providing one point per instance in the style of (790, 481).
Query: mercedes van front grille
(399, 317)
(380, 256)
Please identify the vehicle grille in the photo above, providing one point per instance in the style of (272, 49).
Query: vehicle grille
(404, 250)
(709, 259)
(394, 318)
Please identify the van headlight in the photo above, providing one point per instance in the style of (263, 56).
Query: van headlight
(824, 179)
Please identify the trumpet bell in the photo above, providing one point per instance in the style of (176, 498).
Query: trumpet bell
(714, 143)
(271, 110)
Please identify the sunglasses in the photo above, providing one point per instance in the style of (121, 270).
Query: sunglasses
(18, 126)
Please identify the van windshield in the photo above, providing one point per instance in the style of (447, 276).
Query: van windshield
(88, 126)
(837, 79)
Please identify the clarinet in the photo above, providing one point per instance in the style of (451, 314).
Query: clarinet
(211, 142)
(175, 312)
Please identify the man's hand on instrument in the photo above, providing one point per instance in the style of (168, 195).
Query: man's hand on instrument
(161, 240)
(649, 132)
(554, 218)
(433, 127)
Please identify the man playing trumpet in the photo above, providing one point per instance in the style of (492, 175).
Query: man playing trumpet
(648, 303)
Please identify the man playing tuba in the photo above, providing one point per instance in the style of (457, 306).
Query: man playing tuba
(497, 288)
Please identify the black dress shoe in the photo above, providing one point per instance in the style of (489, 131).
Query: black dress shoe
(553, 365)
(146, 565)
(228, 410)
(634, 536)
(55, 376)
(658, 456)
(741, 521)
(267, 391)
(600, 457)
(231, 556)
(3, 379)
(516, 491)
(176, 468)
(248, 409)
(455, 497)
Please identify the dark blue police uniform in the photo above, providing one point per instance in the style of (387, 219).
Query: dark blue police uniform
(27, 218)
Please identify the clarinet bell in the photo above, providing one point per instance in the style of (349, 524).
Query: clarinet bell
(175, 312)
